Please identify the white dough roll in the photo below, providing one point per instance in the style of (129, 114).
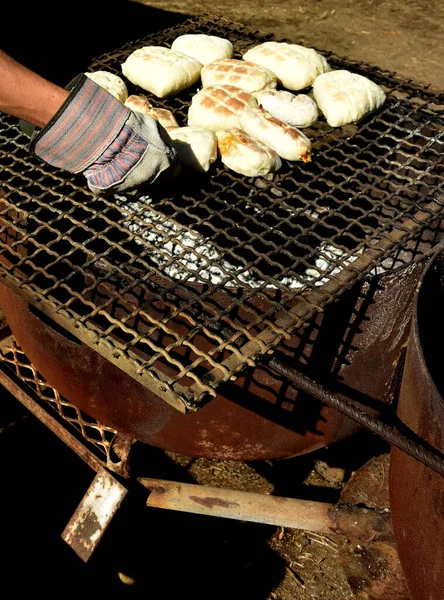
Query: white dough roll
(219, 107)
(111, 83)
(240, 73)
(287, 141)
(345, 97)
(295, 66)
(196, 147)
(202, 47)
(161, 71)
(245, 155)
(296, 110)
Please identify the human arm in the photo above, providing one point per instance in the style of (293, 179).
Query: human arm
(84, 129)
(26, 95)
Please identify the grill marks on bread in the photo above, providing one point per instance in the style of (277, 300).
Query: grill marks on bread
(140, 103)
(239, 73)
(219, 107)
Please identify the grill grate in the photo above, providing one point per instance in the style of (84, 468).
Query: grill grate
(185, 290)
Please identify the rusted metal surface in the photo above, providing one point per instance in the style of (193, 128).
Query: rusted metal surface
(319, 517)
(353, 346)
(372, 565)
(94, 514)
(416, 491)
(371, 189)
(91, 440)
(261, 414)
(51, 423)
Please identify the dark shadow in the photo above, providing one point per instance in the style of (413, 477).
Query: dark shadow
(58, 43)
(167, 553)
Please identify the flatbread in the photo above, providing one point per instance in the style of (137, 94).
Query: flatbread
(202, 47)
(295, 66)
(161, 71)
(345, 97)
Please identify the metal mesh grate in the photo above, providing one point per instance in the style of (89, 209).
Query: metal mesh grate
(97, 439)
(185, 290)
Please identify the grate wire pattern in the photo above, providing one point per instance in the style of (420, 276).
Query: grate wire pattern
(185, 289)
(96, 437)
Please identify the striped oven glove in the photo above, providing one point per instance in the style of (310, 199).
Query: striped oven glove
(116, 149)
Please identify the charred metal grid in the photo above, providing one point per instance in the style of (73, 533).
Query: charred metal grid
(184, 289)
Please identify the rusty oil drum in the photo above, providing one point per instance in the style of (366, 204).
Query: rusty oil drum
(417, 491)
(357, 343)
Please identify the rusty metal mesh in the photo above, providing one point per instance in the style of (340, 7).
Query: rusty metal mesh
(184, 290)
(96, 438)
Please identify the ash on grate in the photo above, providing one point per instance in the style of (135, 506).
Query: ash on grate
(184, 254)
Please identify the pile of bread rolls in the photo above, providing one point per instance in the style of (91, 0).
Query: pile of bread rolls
(249, 111)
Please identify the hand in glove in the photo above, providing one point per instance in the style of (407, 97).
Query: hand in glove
(116, 149)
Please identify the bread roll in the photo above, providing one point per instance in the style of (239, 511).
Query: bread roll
(296, 67)
(140, 103)
(161, 71)
(345, 97)
(244, 155)
(165, 117)
(197, 147)
(111, 83)
(240, 73)
(296, 110)
(218, 107)
(287, 141)
(202, 47)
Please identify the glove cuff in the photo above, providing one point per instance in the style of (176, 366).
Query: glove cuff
(85, 125)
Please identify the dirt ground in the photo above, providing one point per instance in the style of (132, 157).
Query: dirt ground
(397, 35)
(162, 555)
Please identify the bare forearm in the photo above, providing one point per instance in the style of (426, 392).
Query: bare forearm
(26, 95)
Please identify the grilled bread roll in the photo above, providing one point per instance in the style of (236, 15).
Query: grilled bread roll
(240, 73)
(140, 103)
(218, 107)
(111, 83)
(197, 147)
(296, 110)
(296, 67)
(345, 97)
(287, 141)
(242, 154)
(161, 71)
(165, 117)
(202, 47)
